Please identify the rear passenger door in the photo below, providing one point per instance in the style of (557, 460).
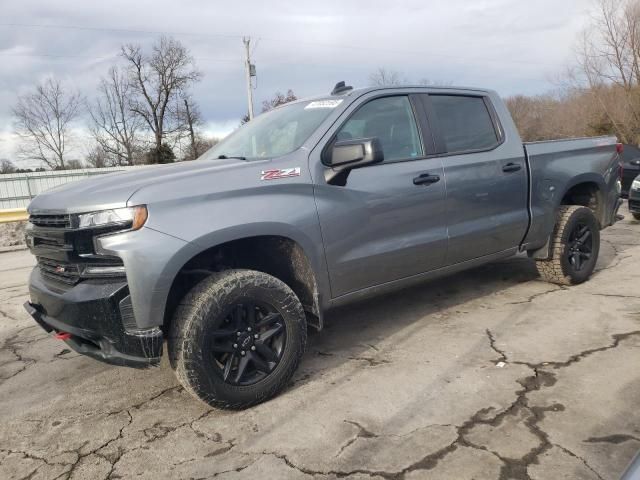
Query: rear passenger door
(486, 180)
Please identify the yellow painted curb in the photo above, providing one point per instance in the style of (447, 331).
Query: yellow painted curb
(13, 215)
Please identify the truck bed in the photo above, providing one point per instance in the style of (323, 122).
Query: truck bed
(552, 173)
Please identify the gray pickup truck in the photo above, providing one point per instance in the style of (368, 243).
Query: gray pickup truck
(314, 204)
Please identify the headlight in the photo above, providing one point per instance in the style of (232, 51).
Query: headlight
(131, 217)
(635, 185)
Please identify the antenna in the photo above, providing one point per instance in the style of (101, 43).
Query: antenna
(341, 87)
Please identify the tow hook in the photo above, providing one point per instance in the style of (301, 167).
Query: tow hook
(62, 336)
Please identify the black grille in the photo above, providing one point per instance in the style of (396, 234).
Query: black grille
(62, 272)
(51, 221)
(634, 204)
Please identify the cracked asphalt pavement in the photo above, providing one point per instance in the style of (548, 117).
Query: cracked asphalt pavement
(490, 373)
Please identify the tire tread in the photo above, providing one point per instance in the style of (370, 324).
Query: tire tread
(188, 321)
(551, 270)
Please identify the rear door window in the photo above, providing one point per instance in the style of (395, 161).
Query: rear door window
(464, 123)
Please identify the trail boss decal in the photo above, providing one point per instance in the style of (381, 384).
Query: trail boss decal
(276, 174)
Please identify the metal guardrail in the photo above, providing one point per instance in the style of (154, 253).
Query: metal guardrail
(18, 189)
(13, 215)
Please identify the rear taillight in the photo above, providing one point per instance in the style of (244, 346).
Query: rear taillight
(619, 150)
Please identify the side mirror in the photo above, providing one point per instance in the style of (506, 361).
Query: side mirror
(346, 155)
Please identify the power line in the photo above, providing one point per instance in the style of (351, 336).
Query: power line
(91, 57)
(115, 30)
(279, 40)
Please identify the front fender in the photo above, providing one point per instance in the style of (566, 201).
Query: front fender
(151, 259)
(310, 241)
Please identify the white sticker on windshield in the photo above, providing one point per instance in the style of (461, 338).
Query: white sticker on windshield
(324, 104)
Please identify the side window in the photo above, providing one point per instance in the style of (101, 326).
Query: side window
(391, 120)
(464, 122)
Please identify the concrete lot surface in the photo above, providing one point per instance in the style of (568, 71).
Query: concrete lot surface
(486, 374)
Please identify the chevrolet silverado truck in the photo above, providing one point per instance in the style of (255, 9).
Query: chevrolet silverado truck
(228, 259)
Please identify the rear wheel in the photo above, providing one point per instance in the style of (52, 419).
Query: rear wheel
(574, 247)
(237, 338)
(636, 215)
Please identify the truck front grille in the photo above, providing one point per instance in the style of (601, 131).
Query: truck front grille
(51, 221)
(61, 272)
(64, 252)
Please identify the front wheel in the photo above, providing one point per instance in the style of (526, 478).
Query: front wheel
(636, 215)
(574, 247)
(237, 338)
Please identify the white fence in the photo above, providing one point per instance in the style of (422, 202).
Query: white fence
(17, 189)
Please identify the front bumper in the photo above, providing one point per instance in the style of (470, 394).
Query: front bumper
(91, 313)
(634, 201)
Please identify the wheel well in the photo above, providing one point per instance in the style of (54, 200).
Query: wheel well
(586, 194)
(278, 256)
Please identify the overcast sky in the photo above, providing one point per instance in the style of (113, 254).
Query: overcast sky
(512, 46)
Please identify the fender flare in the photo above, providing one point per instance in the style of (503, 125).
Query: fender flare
(313, 251)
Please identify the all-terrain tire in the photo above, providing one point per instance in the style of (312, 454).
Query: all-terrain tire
(202, 311)
(558, 268)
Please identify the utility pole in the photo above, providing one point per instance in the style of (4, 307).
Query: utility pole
(250, 71)
(194, 150)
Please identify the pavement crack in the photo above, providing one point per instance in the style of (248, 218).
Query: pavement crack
(492, 344)
(617, 339)
(361, 433)
(372, 361)
(517, 468)
(13, 345)
(577, 457)
(617, 259)
(511, 468)
(336, 473)
(615, 439)
(614, 295)
(4, 314)
(535, 296)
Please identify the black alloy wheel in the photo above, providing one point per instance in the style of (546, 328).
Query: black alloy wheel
(579, 246)
(237, 337)
(249, 343)
(573, 246)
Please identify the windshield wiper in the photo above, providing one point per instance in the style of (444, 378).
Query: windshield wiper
(224, 157)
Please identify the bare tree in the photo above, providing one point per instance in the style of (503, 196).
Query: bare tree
(115, 127)
(98, 158)
(190, 118)
(608, 56)
(157, 79)
(7, 166)
(383, 77)
(74, 164)
(43, 121)
(277, 100)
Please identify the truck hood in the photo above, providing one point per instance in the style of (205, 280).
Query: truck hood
(112, 190)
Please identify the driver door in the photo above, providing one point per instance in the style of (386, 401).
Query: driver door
(388, 221)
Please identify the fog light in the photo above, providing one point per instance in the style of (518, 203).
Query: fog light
(104, 270)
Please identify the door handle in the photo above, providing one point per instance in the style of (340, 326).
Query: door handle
(426, 179)
(511, 167)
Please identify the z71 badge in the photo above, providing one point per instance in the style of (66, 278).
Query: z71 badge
(275, 174)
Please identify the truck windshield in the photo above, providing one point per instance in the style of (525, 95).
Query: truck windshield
(274, 133)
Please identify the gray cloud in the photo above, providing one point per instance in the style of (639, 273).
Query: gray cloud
(508, 45)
